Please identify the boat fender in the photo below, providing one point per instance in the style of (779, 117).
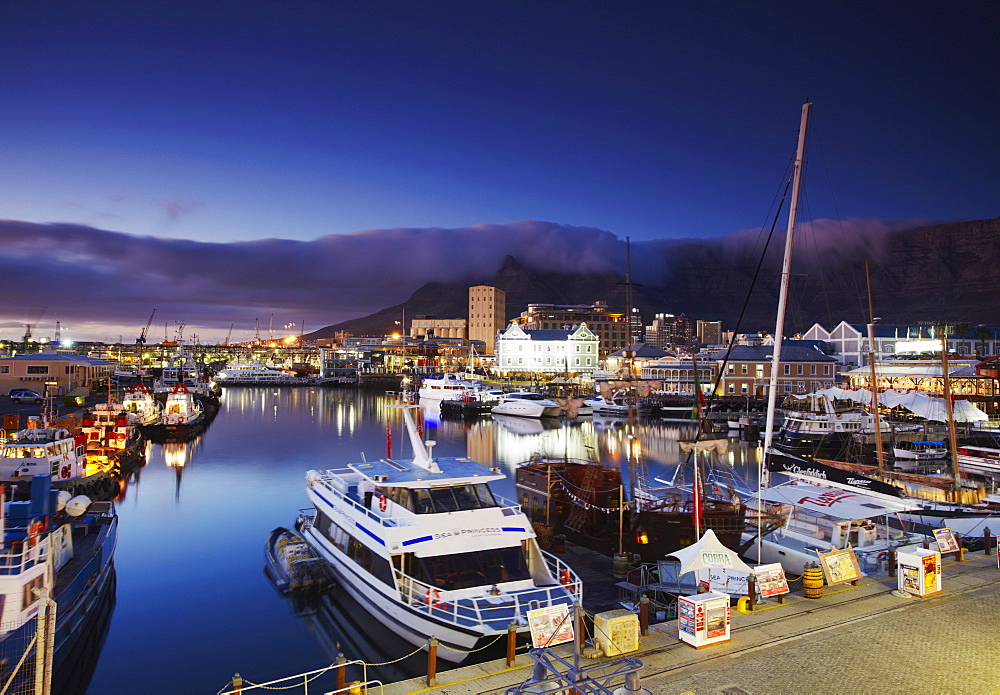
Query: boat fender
(382, 503)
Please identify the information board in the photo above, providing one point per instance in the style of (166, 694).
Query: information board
(840, 566)
(550, 626)
(771, 580)
(947, 543)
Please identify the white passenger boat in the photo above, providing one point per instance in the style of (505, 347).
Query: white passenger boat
(527, 404)
(40, 449)
(448, 387)
(428, 549)
(253, 373)
(616, 405)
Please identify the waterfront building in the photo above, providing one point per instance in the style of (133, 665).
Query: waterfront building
(925, 376)
(633, 358)
(676, 373)
(611, 329)
(548, 351)
(850, 341)
(487, 315)
(802, 369)
(67, 373)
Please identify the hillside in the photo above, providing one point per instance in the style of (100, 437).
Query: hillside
(944, 272)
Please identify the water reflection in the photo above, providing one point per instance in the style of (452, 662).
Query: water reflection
(208, 604)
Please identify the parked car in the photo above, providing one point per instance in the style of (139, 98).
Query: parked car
(22, 395)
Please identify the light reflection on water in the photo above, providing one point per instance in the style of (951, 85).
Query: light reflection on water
(194, 606)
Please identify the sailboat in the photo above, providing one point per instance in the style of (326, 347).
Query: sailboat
(819, 510)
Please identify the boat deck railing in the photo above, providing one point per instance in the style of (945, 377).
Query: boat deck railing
(493, 612)
(20, 555)
(345, 488)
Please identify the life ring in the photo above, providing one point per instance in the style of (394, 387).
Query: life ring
(382, 503)
(433, 598)
(35, 529)
(565, 578)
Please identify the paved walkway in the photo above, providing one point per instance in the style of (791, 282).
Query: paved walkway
(863, 639)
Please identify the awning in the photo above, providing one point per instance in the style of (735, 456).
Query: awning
(834, 502)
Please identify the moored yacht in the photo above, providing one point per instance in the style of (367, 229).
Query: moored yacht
(448, 387)
(527, 404)
(253, 373)
(426, 547)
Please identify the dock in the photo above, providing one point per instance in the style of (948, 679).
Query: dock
(854, 639)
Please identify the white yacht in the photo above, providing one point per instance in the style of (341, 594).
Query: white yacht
(425, 545)
(449, 387)
(527, 404)
(252, 373)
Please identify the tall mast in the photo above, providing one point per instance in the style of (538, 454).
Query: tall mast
(779, 327)
(871, 366)
(956, 482)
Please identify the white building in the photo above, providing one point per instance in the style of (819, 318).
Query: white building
(569, 351)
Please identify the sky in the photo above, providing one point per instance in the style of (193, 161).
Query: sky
(226, 162)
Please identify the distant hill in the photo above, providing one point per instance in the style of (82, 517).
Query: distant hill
(944, 272)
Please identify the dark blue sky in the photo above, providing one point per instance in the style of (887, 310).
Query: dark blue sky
(240, 121)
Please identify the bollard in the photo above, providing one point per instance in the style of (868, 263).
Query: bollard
(961, 550)
(341, 671)
(432, 656)
(892, 562)
(751, 592)
(927, 544)
(237, 684)
(643, 615)
(987, 541)
(511, 644)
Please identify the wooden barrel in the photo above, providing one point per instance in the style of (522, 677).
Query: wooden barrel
(812, 581)
(619, 565)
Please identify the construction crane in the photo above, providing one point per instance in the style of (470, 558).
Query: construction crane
(141, 340)
(229, 334)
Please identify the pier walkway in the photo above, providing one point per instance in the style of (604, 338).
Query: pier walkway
(855, 639)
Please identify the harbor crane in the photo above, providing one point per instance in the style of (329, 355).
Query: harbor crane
(141, 340)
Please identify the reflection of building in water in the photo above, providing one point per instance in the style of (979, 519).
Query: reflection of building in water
(482, 446)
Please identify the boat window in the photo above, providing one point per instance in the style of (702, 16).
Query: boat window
(477, 568)
(444, 499)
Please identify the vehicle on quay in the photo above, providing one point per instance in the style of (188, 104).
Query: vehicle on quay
(527, 404)
(429, 550)
(25, 396)
(58, 558)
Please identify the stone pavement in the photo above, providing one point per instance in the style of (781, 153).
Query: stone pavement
(855, 639)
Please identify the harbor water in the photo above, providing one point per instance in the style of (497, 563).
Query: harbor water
(194, 606)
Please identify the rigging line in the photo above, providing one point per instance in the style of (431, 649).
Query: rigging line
(746, 300)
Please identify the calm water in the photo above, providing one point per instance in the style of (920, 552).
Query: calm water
(193, 604)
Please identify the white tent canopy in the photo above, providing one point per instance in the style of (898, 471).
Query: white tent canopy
(708, 553)
(927, 407)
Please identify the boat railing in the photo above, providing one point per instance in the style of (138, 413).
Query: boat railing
(21, 555)
(495, 610)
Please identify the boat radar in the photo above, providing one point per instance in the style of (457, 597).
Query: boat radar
(421, 449)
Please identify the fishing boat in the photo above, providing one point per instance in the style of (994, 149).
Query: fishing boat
(140, 407)
(527, 404)
(41, 449)
(110, 438)
(183, 416)
(57, 579)
(429, 550)
(291, 563)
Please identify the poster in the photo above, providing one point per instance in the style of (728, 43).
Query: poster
(840, 566)
(716, 618)
(910, 578)
(771, 580)
(947, 543)
(930, 573)
(550, 626)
